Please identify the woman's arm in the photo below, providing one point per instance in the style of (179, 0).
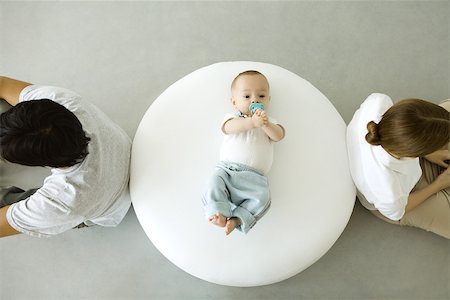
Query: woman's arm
(439, 157)
(419, 196)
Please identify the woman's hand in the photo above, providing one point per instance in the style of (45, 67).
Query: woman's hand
(443, 180)
(439, 157)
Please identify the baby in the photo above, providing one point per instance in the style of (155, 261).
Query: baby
(237, 194)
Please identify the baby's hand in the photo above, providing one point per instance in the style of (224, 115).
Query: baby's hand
(264, 117)
(259, 118)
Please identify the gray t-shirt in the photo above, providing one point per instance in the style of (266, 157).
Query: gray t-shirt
(94, 191)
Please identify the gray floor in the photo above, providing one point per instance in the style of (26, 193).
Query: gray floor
(121, 56)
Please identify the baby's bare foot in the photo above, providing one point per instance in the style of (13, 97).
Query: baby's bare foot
(218, 220)
(231, 225)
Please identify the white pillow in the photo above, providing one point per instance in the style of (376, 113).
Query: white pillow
(177, 146)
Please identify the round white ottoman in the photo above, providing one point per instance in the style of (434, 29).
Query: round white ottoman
(177, 146)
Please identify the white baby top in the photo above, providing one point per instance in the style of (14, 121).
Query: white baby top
(93, 191)
(385, 181)
(253, 147)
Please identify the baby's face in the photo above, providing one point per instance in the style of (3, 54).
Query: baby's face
(249, 89)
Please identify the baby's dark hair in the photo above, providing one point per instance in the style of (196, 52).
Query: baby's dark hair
(42, 133)
(248, 72)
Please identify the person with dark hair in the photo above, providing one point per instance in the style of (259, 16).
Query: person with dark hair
(42, 133)
(88, 155)
(399, 160)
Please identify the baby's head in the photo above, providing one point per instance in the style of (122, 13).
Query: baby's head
(247, 88)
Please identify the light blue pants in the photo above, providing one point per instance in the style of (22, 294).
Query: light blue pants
(236, 190)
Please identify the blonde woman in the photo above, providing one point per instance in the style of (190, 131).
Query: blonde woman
(399, 160)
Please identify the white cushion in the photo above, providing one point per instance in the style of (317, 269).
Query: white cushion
(177, 146)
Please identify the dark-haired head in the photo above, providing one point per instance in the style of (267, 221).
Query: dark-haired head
(411, 128)
(42, 133)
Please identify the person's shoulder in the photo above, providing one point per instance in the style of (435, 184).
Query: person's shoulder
(230, 116)
(37, 92)
(65, 97)
(371, 109)
(377, 102)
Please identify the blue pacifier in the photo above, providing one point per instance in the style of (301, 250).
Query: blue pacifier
(254, 106)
